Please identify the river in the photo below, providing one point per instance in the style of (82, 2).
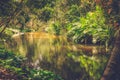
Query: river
(55, 53)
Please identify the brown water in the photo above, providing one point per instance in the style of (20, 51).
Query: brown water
(55, 53)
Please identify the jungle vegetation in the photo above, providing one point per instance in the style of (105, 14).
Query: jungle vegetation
(93, 22)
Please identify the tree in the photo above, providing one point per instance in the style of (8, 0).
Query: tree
(9, 10)
(112, 70)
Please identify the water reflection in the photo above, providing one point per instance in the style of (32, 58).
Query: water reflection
(54, 53)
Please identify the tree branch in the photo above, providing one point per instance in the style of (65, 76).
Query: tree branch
(15, 13)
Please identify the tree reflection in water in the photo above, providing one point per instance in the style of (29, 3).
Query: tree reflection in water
(54, 53)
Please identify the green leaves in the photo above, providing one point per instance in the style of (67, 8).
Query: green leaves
(45, 75)
(39, 4)
(5, 54)
(46, 14)
(17, 65)
(92, 26)
(73, 14)
(54, 28)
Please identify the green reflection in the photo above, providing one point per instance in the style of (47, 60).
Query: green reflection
(54, 53)
(93, 65)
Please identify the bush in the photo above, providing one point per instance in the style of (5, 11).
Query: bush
(54, 28)
(46, 14)
(91, 27)
(73, 14)
(17, 65)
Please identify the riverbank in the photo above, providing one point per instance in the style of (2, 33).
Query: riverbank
(6, 74)
(15, 67)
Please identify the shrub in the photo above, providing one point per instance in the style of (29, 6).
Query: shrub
(91, 27)
(46, 14)
(16, 64)
(54, 28)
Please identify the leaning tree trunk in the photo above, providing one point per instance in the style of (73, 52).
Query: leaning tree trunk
(112, 71)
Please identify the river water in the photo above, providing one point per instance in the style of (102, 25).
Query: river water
(55, 53)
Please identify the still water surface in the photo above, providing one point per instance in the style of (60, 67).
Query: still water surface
(55, 53)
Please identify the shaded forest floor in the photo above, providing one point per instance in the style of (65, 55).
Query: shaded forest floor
(7, 74)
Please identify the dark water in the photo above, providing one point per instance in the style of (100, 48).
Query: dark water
(54, 53)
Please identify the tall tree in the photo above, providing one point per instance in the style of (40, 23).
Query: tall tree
(112, 9)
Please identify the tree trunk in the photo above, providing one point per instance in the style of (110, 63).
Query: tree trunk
(112, 71)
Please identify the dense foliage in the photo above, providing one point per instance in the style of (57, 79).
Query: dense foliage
(80, 19)
(91, 28)
(17, 66)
